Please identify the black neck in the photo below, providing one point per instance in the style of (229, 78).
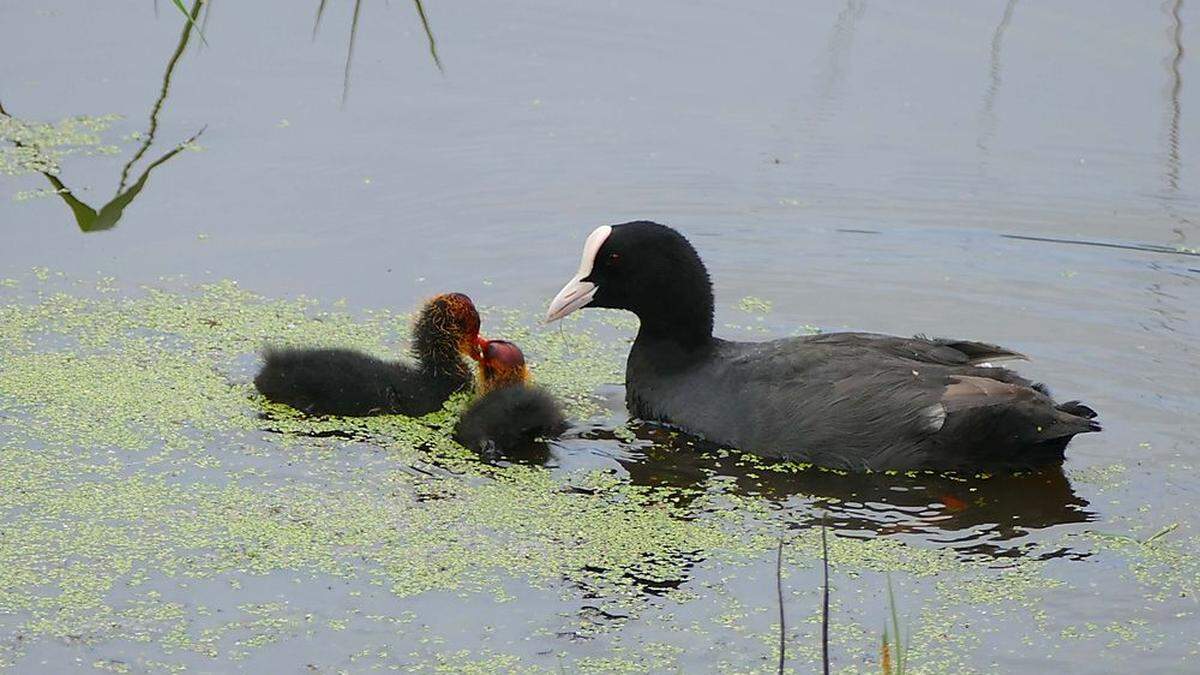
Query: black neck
(687, 325)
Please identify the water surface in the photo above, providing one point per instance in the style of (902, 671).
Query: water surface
(1014, 172)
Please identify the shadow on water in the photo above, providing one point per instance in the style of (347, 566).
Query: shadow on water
(976, 516)
(437, 61)
(106, 217)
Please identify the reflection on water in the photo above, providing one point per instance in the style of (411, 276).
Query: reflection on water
(987, 115)
(563, 117)
(1174, 113)
(974, 515)
(106, 217)
(1175, 110)
(831, 77)
(437, 61)
(984, 516)
(428, 35)
(841, 44)
(166, 88)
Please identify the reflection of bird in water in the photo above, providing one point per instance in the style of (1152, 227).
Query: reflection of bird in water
(106, 217)
(973, 515)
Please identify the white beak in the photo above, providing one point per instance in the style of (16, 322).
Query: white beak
(578, 293)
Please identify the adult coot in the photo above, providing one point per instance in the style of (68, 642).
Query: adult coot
(348, 382)
(510, 413)
(845, 400)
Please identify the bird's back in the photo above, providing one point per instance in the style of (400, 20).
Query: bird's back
(855, 401)
(348, 382)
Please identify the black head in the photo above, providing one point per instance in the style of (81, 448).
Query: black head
(648, 269)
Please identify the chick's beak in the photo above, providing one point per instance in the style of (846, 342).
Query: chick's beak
(477, 347)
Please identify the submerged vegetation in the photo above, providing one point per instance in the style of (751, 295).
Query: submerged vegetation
(133, 446)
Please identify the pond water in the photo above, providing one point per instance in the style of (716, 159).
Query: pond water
(1020, 173)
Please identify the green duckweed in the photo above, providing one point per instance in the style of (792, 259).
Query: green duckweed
(153, 503)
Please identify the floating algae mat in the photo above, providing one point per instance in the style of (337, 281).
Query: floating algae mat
(157, 515)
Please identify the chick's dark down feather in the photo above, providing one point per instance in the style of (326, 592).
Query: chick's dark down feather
(508, 419)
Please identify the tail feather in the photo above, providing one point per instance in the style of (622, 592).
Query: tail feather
(1078, 417)
(1078, 409)
(980, 352)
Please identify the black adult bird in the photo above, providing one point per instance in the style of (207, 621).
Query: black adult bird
(348, 382)
(510, 413)
(846, 400)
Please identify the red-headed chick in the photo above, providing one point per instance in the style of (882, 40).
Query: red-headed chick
(348, 382)
(509, 413)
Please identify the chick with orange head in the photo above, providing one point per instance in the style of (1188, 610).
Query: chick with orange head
(501, 364)
(509, 413)
(349, 382)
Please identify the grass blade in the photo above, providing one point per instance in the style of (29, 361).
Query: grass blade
(901, 653)
(429, 35)
(825, 602)
(885, 652)
(162, 94)
(350, 51)
(191, 18)
(1162, 532)
(207, 13)
(779, 596)
(317, 21)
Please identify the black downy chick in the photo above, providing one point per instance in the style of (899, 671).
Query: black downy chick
(509, 414)
(348, 382)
